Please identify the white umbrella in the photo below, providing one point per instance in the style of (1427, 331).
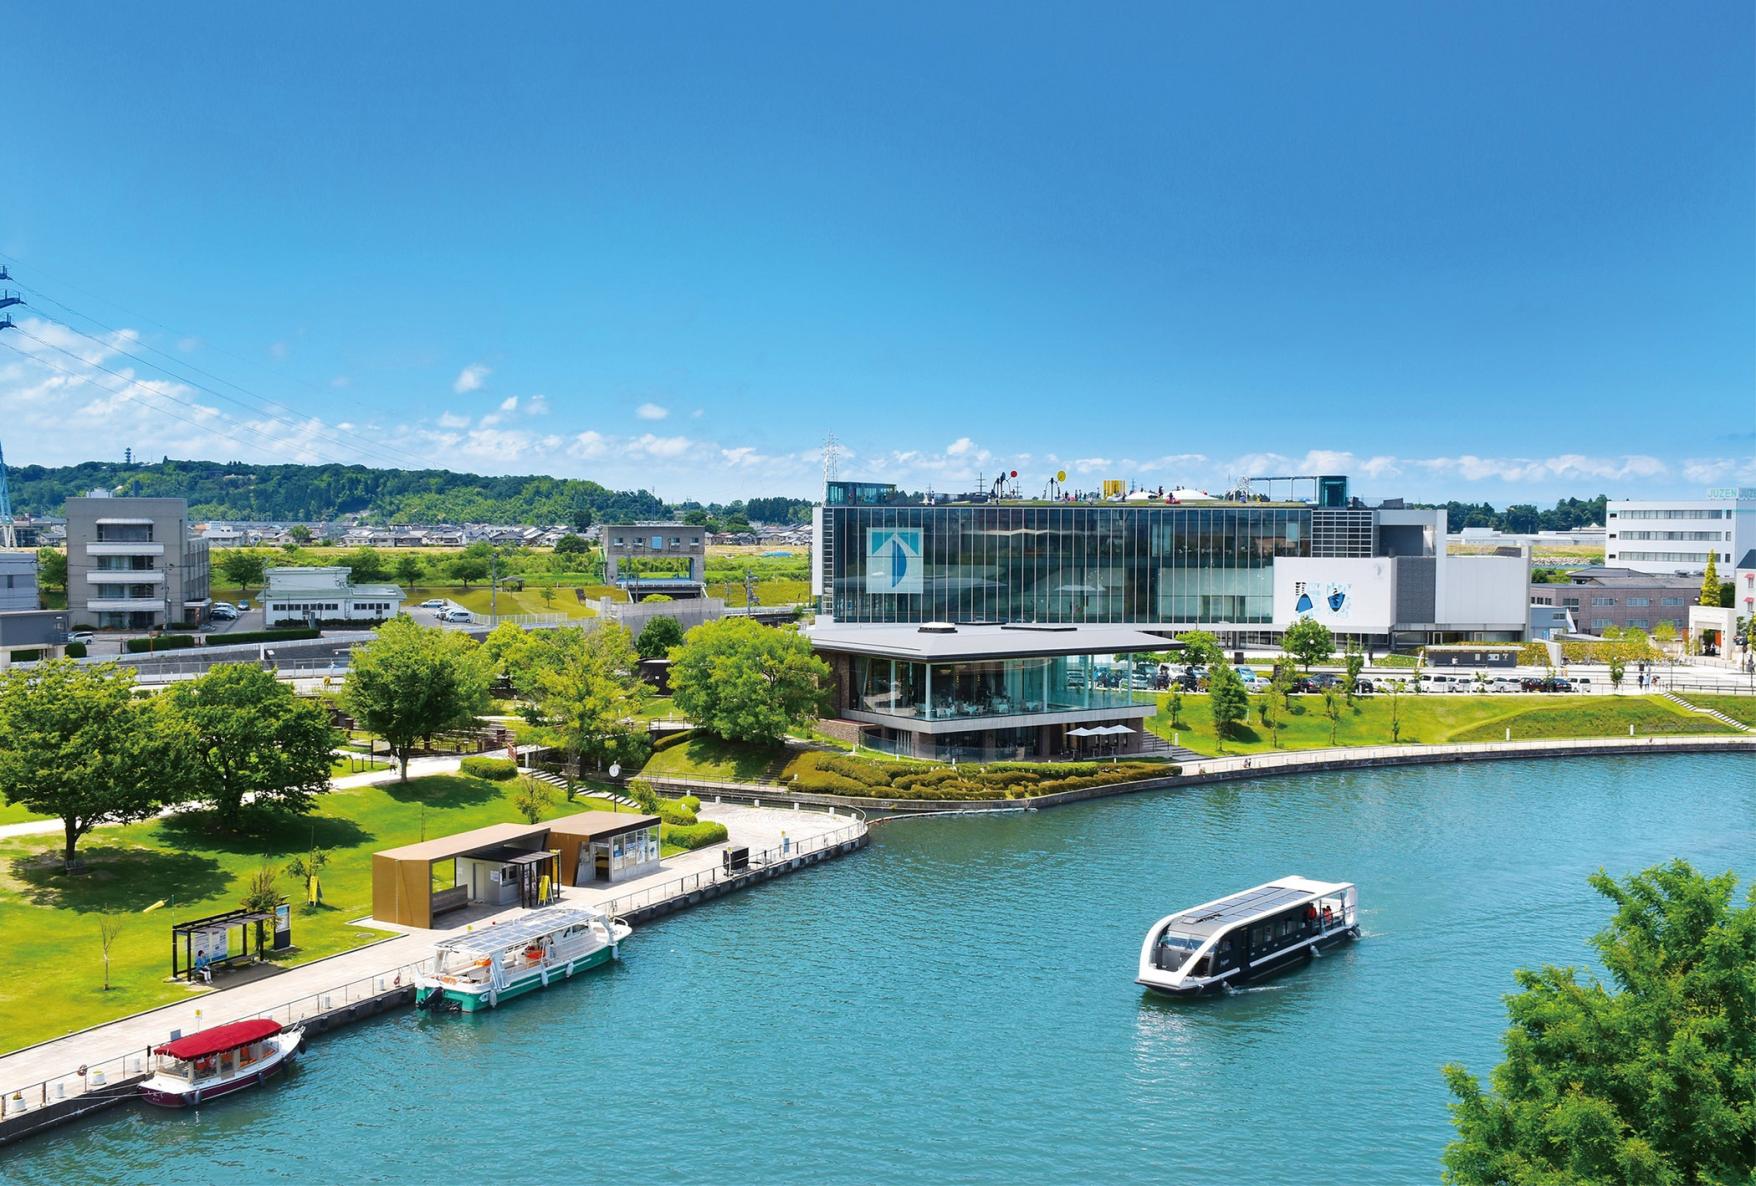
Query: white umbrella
(1115, 730)
(1082, 731)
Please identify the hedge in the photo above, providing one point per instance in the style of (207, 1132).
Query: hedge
(673, 739)
(835, 774)
(164, 642)
(178, 642)
(493, 769)
(75, 650)
(674, 811)
(696, 835)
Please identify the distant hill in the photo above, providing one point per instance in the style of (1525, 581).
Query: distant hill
(322, 493)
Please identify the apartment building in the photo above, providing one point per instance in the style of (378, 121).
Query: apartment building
(134, 563)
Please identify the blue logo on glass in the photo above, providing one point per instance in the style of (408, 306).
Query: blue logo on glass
(893, 560)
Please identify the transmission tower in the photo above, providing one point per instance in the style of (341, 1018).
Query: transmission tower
(831, 455)
(8, 298)
(8, 537)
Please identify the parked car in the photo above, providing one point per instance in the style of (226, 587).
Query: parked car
(455, 615)
(243, 604)
(84, 636)
(1505, 683)
(218, 605)
(433, 603)
(223, 613)
(1364, 686)
(1251, 679)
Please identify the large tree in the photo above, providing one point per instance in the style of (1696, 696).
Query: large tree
(253, 742)
(52, 567)
(1201, 647)
(1651, 1079)
(413, 681)
(745, 681)
(658, 637)
(1309, 641)
(80, 747)
(243, 569)
(590, 692)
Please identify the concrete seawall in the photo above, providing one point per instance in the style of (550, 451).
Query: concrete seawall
(1230, 769)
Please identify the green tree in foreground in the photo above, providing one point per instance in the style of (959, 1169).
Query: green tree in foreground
(1332, 710)
(80, 747)
(1309, 641)
(1650, 1080)
(306, 869)
(1227, 700)
(744, 681)
(532, 799)
(414, 681)
(1270, 714)
(1356, 663)
(590, 692)
(1710, 582)
(658, 637)
(253, 741)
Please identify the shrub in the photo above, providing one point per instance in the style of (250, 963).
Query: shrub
(673, 739)
(302, 632)
(74, 650)
(643, 795)
(674, 811)
(164, 642)
(696, 835)
(493, 769)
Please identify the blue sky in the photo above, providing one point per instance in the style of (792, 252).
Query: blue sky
(1496, 251)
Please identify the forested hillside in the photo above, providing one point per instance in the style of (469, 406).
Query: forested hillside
(320, 493)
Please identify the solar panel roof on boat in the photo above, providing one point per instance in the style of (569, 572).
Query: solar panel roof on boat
(532, 926)
(1226, 911)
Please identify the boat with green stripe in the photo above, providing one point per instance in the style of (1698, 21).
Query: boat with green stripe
(479, 970)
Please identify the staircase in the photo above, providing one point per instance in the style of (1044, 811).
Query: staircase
(572, 788)
(1721, 717)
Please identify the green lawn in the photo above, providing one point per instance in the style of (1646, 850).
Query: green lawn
(1436, 720)
(14, 813)
(359, 764)
(50, 920)
(1739, 708)
(703, 756)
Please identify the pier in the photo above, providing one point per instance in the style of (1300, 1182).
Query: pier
(64, 1078)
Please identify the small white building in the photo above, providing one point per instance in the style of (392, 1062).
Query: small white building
(301, 595)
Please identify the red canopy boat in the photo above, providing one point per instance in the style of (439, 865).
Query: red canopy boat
(218, 1061)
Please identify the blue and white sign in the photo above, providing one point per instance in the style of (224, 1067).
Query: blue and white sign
(893, 560)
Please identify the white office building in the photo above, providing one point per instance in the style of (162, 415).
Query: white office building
(296, 596)
(1678, 535)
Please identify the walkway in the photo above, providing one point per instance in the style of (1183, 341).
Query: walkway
(355, 974)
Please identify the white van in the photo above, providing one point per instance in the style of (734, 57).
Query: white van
(455, 615)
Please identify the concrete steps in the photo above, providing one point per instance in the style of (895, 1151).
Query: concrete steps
(1717, 715)
(570, 787)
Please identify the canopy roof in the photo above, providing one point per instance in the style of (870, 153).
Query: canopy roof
(220, 1039)
(492, 836)
(939, 643)
(497, 938)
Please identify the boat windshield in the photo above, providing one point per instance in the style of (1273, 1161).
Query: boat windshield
(1174, 949)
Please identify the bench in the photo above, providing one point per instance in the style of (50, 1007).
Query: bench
(447, 900)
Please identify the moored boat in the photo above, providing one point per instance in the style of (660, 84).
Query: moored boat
(213, 1062)
(1248, 935)
(479, 970)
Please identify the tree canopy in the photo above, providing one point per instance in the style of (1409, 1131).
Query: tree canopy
(658, 636)
(1228, 700)
(1710, 583)
(80, 747)
(413, 681)
(744, 681)
(1309, 641)
(589, 691)
(1200, 646)
(243, 568)
(52, 567)
(253, 742)
(1651, 1079)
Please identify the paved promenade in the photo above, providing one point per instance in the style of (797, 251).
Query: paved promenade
(354, 975)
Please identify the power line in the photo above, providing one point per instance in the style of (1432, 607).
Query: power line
(355, 440)
(271, 442)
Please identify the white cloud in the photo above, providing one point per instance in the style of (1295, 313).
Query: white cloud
(589, 445)
(509, 404)
(656, 446)
(960, 446)
(651, 411)
(470, 378)
(536, 405)
(453, 420)
(188, 345)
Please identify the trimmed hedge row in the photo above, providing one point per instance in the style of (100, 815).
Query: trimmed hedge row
(835, 774)
(696, 835)
(493, 769)
(673, 739)
(178, 642)
(675, 811)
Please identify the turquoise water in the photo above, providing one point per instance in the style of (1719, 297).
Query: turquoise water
(955, 1004)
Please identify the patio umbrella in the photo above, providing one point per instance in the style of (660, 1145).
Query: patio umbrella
(1115, 730)
(1082, 731)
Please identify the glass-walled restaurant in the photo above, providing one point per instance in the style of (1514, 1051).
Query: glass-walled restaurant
(1067, 564)
(998, 687)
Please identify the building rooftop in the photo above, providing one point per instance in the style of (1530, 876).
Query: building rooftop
(1599, 575)
(939, 642)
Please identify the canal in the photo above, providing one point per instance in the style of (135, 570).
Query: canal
(956, 1004)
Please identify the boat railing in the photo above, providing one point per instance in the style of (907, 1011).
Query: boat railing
(103, 1077)
(787, 851)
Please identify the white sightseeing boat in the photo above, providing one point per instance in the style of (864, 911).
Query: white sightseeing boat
(214, 1062)
(1247, 935)
(478, 970)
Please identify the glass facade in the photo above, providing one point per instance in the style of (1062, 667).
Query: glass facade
(971, 689)
(1184, 565)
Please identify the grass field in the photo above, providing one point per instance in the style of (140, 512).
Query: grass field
(702, 756)
(50, 919)
(1739, 708)
(13, 813)
(1437, 720)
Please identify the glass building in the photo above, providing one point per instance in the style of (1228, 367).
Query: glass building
(1128, 563)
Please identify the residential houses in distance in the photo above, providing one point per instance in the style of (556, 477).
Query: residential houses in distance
(446, 535)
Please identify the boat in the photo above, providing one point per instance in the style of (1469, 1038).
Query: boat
(478, 970)
(209, 1063)
(1247, 936)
